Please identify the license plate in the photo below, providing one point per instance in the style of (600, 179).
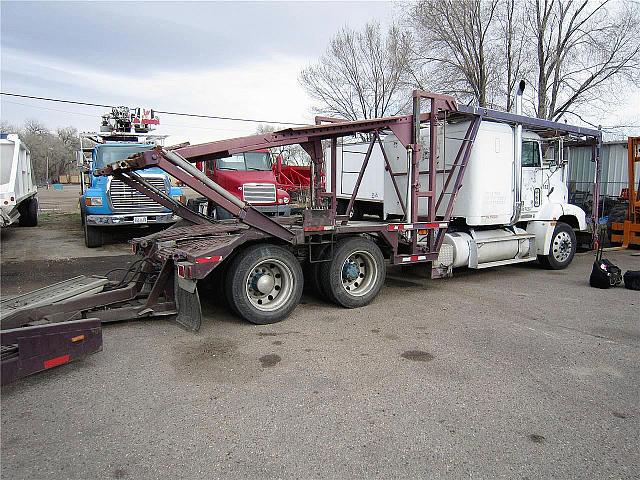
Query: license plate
(139, 219)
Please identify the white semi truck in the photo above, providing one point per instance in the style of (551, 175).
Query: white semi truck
(18, 200)
(512, 206)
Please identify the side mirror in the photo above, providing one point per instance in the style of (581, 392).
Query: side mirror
(82, 162)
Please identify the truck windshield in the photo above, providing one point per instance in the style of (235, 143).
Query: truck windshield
(246, 161)
(106, 155)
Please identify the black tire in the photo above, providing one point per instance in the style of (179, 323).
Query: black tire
(562, 249)
(367, 262)
(29, 213)
(261, 303)
(312, 279)
(92, 236)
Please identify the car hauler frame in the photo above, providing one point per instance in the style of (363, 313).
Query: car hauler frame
(261, 256)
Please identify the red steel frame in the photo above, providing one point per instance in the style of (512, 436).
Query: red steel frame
(402, 238)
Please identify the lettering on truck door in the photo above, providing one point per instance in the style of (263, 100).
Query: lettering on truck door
(533, 190)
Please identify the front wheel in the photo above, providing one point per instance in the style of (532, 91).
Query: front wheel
(29, 213)
(92, 236)
(356, 273)
(264, 284)
(562, 248)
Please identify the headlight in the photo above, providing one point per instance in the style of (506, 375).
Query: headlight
(93, 201)
(286, 199)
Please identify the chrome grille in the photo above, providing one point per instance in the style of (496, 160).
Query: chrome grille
(125, 199)
(259, 192)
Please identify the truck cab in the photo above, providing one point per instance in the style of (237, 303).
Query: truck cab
(250, 177)
(107, 202)
(508, 209)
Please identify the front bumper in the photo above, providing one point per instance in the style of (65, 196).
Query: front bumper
(115, 220)
(274, 210)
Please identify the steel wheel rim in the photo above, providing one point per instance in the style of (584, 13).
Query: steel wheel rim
(269, 284)
(359, 273)
(561, 247)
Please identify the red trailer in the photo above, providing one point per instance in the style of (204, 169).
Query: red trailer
(295, 179)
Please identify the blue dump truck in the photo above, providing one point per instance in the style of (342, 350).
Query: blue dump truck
(108, 203)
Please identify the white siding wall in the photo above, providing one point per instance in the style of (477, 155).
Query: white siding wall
(614, 175)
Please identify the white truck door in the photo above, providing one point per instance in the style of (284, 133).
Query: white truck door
(533, 188)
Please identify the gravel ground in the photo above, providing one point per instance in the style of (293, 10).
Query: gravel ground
(59, 234)
(515, 372)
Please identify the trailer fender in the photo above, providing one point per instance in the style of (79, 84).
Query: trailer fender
(547, 218)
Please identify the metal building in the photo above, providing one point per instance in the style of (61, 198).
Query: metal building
(614, 176)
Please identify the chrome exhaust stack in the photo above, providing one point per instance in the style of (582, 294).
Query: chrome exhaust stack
(517, 158)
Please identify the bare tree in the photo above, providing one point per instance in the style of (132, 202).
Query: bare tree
(361, 75)
(583, 48)
(57, 151)
(454, 47)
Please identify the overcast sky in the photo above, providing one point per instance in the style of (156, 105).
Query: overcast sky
(238, 59)
(234, 59)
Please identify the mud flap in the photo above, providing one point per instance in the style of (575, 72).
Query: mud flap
(188, 304)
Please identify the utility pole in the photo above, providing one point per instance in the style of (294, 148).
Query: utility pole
(47, 159)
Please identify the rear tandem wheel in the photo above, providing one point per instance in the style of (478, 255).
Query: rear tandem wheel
(355, 275)
(264, 283)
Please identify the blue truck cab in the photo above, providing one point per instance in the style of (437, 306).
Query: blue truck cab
(107, 202)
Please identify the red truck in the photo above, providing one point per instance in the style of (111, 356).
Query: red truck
(250, 177)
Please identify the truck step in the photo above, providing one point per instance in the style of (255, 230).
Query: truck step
(505, 262)
(80, 285)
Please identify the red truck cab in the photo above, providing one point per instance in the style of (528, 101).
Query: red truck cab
(250, 177)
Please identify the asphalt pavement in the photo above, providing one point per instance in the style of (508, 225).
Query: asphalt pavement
(513, 372)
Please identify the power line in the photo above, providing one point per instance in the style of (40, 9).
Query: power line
(93, 116)
(50, 109)
(181, 114)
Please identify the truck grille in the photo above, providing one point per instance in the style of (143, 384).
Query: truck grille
(125, 199)
(259, 192)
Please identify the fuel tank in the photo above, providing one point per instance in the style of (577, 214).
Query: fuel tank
(487, 246)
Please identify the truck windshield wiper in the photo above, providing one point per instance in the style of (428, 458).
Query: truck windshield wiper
(227, 168)
(257, 169)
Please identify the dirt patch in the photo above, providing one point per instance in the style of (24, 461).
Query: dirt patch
(535, 438)
(417, 356)
(216, 359)
(21, 277)
(270, 360)
(274, 334)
